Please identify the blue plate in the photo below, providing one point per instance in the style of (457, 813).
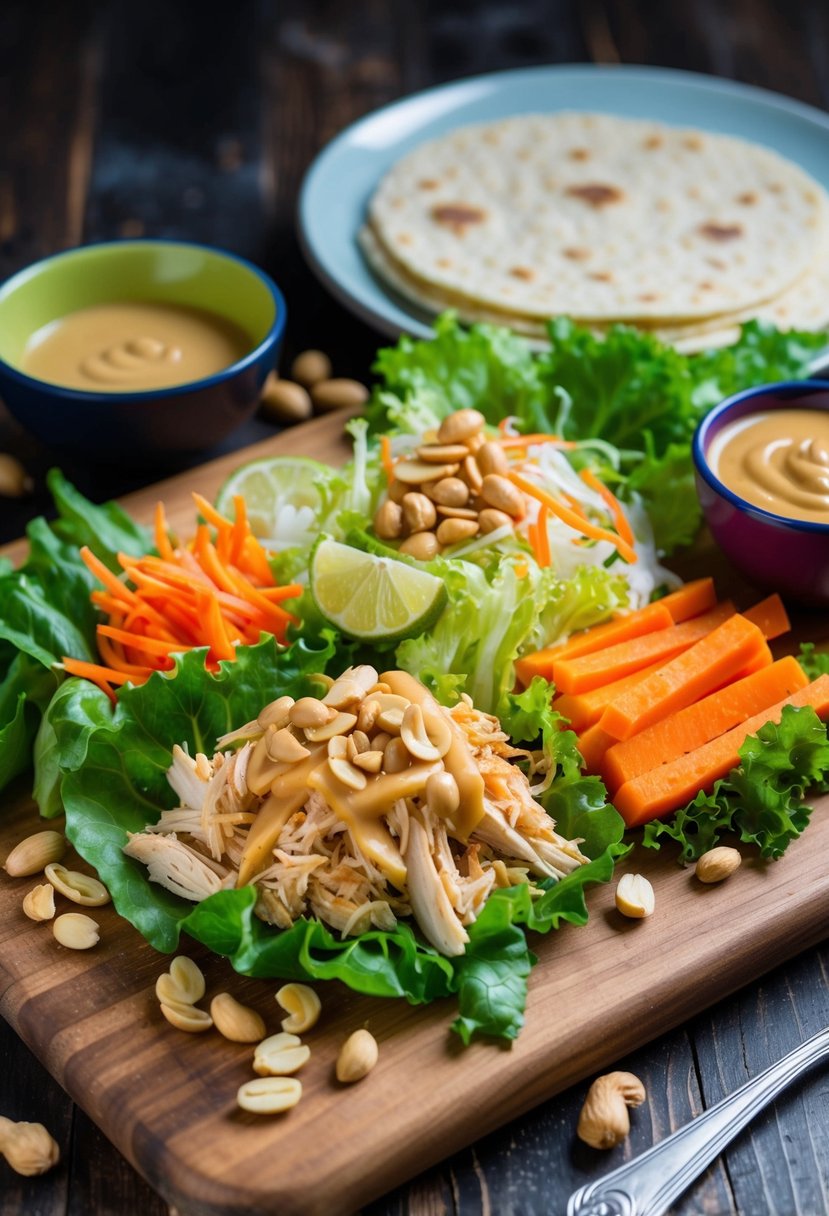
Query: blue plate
(342, 179)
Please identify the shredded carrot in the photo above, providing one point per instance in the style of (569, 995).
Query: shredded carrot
(544, 558)
(567, 516)
(620, 520)
(385, 458)
(217, 591)
(525, 441)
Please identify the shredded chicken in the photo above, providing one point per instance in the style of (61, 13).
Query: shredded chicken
(360, 870)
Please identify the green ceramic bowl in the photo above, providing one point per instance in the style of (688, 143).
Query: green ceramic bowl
(162, 422)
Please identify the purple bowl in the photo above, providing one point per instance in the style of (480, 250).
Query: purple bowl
(774, 551)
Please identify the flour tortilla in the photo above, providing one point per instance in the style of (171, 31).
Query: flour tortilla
(804, 306)
(599, 218)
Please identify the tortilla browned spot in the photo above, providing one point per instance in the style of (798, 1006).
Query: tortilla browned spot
(579, 154)
(721, 232)
(458, 216)
(653, 141)
(596, 194)
(576, 255)
(523, 272)
(748, 199)
(428, 183)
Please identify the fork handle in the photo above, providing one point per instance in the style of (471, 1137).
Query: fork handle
(647, 1185)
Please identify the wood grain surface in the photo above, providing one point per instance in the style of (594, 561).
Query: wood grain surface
(155, 119)
(167, 1099)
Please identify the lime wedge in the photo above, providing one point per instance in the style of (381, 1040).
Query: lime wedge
(373, 598)
(286, 497)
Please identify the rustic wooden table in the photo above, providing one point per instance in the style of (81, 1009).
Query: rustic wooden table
(125, 120)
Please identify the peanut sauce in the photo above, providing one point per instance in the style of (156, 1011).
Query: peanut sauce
(777, 460)
(133, 346)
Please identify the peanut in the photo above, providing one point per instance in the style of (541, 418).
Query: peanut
(235, 1021)
(461, 425)
(490, 519)
(450, 531)
(634, 896)
(308, 712)
(280, 1055)
(442, 795)
(717, 864)
(419, 473)
(357, 1057)
(502, 494)
(422, 546)
(311, 366)
(80, 888)
(388, 519)
(39, 903)
(34, 854)
(14, 480)
(450, 492)
(186, 1017)
(28, 1147)
(284, 401)
(492, 458)
(269, 1095)
(604, 1120)
(443, 453)
(76, 931)
(339, 394)
(419, 513)
(302, 1005)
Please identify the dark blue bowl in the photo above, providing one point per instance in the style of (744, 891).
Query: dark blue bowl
(773, 551)
(157, 424)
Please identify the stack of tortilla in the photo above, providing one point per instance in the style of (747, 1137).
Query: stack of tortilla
(681, 232)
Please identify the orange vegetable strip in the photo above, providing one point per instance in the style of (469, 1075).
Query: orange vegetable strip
(587, 671)
(525, 441)
(532, 537)
(543, 538)
(277, 594)
(138, 642)
(240, 529)
(703, 667)
(111, 581)
(620, 629)
(110, 652)
(574, 505)
(255, 562)
(670, 786)
(254, 595)
(593, 744)
(701, 722)
(690, 600)
(224, 542)
(770, 616)
(209, 512)
(569, 517)
(95, 672)
(385, 458)
(162, 540)
(208, 559)
(220, 645)
(585, 708)
(620, 520)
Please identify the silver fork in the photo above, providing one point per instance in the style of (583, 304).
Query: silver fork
(647, 1185)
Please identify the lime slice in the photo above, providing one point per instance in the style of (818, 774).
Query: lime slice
(285, 496)
(373, 598)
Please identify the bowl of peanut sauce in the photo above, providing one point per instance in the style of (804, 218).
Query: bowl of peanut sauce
(762, 470)
(137, 349)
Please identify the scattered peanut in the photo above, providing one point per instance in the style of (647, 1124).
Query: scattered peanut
(311, 366)
(388, 520)
(419, 512)
(338, 394)
(490, 519)
(450, 531)
(76, 931)
(500, 493)
(284, 401)
(634, 896)
(28, 1147)
(604, 1120)
(80, 888)
(33, 854)
(357, 1057)
(717, 864)
(442, 794)
(188, 978)
(423, 546)
(302, 1005)
(14, 480)
(280, 1055)
(39, 903)
(269, 1095)
(235, 1021)
(460, 425)
(186, 1017)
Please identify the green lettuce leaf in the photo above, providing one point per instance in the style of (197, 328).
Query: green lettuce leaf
(813, 661)
(109, 765)
(762, 800)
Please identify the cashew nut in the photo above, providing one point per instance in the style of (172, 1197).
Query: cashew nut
(604, 1120)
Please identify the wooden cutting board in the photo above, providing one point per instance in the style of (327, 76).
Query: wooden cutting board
(167, 1099)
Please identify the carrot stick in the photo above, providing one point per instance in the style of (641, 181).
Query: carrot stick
(162, 540)
(620, 629)
(593, 744)
(701, 722)
(770, 616)
(584, 709)
(669, 786)
(239, 530)
(95, 672)
(111, 581)
(569, 517)
(385, 458)
(137, 642)
(524, 441)
(708, 664)
(209, 512)
(588, 671)
(617, 514)
(543, 538)
(690, 600)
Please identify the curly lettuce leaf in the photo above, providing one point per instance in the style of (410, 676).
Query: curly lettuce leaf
(762, 799)
(813, 661)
